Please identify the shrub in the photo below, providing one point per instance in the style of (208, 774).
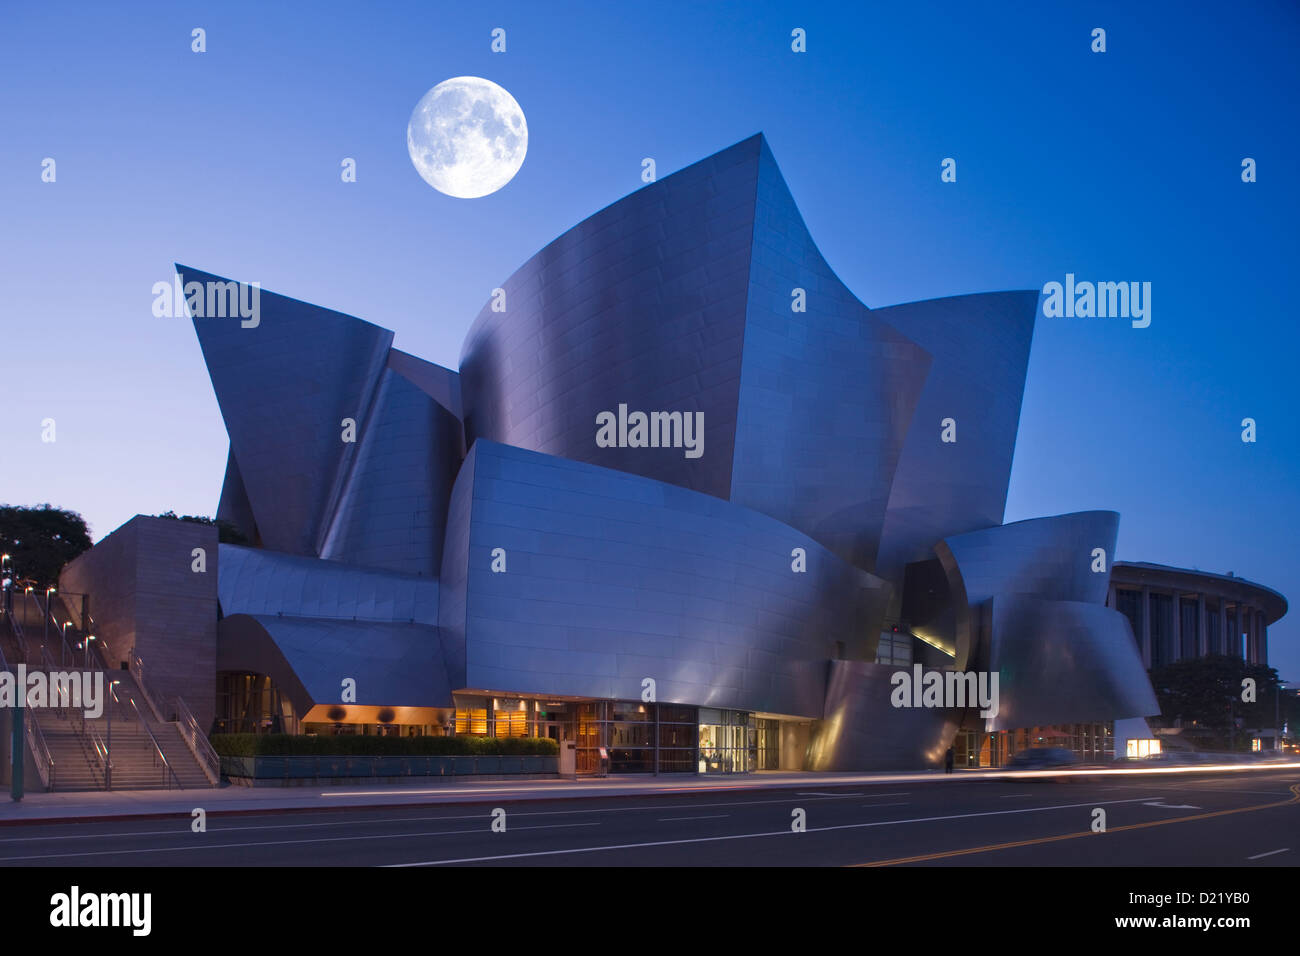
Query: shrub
(355, 745)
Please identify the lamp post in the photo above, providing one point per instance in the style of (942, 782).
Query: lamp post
(45, 639)
(89, 638)
(7, 574)
(26, 591)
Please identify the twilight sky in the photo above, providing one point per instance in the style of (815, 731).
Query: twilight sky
(1116, 166)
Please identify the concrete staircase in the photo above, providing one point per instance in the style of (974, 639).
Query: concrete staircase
(145, 753)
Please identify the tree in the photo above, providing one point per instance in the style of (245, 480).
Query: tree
(1205, 693)
(227, 533)
(40, 541)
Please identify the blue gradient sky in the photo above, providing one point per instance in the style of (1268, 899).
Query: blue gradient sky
(1122, 166)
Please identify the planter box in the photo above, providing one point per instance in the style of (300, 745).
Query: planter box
(312, 769)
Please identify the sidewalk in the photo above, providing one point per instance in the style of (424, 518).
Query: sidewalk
(86, 806)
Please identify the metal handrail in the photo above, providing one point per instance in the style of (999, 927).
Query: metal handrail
(91, 658)
(29, 596)
(198, 742)
(20, 639)
(157, 747)
(47, 612)
(100, 749)
(32, 729)
(55, 702)
(91, 741)
(137, 671)
(41, 751)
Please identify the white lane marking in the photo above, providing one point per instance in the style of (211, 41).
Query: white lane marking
(715, 816)
(1260, 856)
(1170, 806)
(397, 818)
(230, 846)
(750, 836)
(184, 830)
(814, 793)
(775, 783)
(1010, 795)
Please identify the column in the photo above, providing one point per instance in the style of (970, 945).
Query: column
(1177, 601)
(1146, 628)
(1223, 626)
(1202, 638)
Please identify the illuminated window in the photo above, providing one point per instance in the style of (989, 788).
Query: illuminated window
(472, 721)
(1143, 748)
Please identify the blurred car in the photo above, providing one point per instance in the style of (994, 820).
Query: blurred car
(1042, 758)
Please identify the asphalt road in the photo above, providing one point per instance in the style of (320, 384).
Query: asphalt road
(1246, 819)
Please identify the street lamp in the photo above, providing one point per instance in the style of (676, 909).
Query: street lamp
(89, 638)
(46, 617)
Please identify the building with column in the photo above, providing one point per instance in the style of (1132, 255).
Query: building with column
(1178, 614)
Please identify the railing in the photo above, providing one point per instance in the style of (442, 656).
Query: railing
(137, 671)
(56, 701)
(100, 751)
(47, 620)
(17, 631)
(169, 775)
(40, 751)
(198, 742)
(35, 738)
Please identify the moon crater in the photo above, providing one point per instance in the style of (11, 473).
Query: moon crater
(467, 137)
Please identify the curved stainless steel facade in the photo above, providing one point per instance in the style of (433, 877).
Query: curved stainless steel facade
(1063, 662)
(1050, 558)
(254, 581)
(390, 514)
(612, 578)
(703, 292)
(642, 304)
(826, 394)
(284, 387)
(980, 350)
(309, 658)
(679, 298)
(863, 729)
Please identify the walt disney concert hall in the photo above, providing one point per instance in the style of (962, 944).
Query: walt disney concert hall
(686, 502)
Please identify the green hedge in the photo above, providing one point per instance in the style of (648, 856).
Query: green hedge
(355, 745)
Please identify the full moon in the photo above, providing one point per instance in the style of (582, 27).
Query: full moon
(467, 137)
